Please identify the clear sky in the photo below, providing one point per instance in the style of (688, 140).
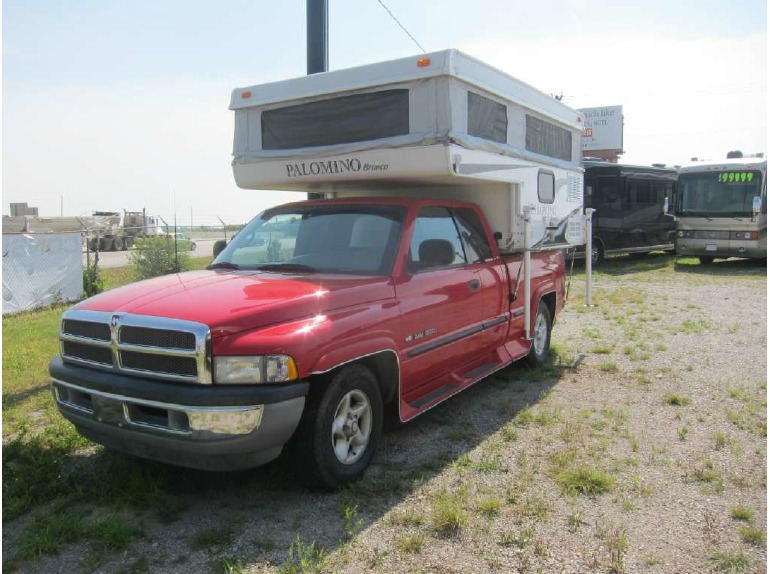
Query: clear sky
(118, 104)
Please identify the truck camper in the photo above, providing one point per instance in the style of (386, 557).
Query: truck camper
(430, 257)
(722, 209)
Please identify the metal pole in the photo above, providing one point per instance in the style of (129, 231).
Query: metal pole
(527, 263)
(589, 256)
(317, 36)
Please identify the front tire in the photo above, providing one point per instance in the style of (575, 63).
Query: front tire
(541, 336)
(341, 428)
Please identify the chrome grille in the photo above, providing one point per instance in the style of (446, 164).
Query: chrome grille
(140, 345)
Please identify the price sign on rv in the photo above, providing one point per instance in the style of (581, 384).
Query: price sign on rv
(735, 177)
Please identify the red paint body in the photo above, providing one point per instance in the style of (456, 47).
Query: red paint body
(444, 334)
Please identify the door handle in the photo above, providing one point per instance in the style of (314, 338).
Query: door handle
(475, 285)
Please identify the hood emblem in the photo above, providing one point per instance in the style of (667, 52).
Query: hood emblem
(114, 321)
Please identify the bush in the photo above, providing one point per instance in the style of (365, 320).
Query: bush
(93, 282)
(155, 256)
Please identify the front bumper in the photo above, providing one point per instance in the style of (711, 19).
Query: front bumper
(720, 248)
(198, 426)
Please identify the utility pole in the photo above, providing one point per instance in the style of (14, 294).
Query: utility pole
(317, 45)
(317, 36)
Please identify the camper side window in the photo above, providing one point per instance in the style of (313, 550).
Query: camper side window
(546, 186)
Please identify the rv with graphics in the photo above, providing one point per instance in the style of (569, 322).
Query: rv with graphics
(431, 258)
(722, 210)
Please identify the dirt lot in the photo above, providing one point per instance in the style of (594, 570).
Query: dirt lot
(643, 450)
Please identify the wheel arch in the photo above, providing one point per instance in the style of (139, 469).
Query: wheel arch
(384, 365)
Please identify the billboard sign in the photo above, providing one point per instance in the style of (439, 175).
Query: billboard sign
(602, 128)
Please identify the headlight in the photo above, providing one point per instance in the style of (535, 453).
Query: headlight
(254, 370)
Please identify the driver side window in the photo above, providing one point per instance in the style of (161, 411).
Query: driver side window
(436, 241)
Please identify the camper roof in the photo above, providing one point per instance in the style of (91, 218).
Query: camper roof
(445, 63)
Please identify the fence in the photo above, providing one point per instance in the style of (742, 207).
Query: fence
(40, 269)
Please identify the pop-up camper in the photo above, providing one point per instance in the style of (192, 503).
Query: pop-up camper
(438, 125)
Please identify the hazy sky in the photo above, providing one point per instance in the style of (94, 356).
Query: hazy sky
(113, 104)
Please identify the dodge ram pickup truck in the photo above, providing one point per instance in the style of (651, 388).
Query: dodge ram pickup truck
(315, 322)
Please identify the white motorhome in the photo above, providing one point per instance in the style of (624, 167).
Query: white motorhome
(438, 125)
(722, 209)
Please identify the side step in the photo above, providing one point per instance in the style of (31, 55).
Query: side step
(449, 389)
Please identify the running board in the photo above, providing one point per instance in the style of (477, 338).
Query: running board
(450, 389)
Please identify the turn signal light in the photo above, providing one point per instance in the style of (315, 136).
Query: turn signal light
(423, 62)
(245, 95)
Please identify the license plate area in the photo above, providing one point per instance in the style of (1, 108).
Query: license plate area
(711, 247)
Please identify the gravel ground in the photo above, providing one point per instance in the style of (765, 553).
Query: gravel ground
(661, 390)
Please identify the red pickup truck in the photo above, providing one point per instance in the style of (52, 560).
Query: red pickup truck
(315, 322)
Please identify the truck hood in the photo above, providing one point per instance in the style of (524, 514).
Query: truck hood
(233, 301)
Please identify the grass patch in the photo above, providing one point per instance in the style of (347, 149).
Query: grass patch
(752, 535)
(411, 543)
(609, 367)
(743, 513)
(728, 562)
(677, 400)
(304, 559)
(584, 480)
(447, 515)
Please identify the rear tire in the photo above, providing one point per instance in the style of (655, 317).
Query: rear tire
(541, 336)
(340, 429)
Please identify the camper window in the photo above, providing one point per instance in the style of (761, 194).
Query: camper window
(548, 139)
(487, 119)
(356, 118)
(545, 186)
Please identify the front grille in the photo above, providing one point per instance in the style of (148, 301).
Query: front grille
(721, 235)
(138, 345)
(85, 352)
(157, 338)
(87, 329)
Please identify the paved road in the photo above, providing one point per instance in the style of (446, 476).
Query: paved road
(108, 259)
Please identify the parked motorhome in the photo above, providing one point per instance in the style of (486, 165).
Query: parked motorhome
(633, 207)
(434, 259)
(722, 210)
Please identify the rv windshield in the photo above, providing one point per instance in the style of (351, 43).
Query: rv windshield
(718, 193)
(346, 239)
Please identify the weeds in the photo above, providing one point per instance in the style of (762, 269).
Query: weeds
(584, 480)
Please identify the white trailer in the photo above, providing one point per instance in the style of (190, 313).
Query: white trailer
(441, 125)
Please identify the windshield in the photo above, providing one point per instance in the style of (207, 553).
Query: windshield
(719, 193)
(347, 239)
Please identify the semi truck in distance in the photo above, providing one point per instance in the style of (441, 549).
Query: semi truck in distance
(431, 256)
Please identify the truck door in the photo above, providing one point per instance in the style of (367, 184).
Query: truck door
(453, 300)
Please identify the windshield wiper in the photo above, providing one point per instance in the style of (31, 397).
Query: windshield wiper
(223, 265)
(288, 267)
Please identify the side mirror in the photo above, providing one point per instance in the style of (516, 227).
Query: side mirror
(219, 246)
(756, 205)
